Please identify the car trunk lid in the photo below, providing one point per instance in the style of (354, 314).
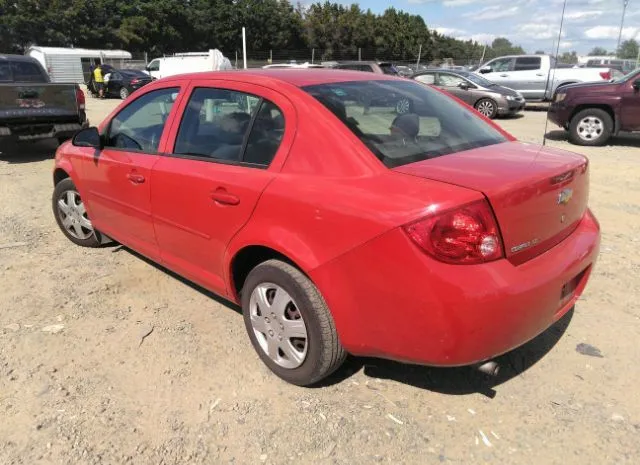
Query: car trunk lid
(538, 194)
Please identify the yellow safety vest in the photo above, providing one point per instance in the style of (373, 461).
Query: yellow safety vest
(97, 75)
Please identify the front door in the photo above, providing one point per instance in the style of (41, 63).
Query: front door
(630, 114)
(117, 179)
(206, 188)
(500, 71)
(452, 84)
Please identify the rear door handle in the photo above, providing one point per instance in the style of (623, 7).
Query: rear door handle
(504, 75)
(539, 74)
(221, 196)
(135, 178)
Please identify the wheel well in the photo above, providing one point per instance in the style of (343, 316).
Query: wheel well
(606, 108)
(59, 175)
(250, 257)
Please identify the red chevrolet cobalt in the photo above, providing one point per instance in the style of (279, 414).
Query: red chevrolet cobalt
(346, 213)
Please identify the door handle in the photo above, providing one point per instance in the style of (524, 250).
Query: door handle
(504, 75)
(135, 178)
(221, 196)
(539, 74)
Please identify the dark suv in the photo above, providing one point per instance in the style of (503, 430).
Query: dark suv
(593, 112)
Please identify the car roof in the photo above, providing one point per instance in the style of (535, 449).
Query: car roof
(295, 77)
(23, 58)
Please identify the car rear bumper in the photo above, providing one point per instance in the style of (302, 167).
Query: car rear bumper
(30, 132)
(391, 300)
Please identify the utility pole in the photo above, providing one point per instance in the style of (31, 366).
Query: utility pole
(624, 11)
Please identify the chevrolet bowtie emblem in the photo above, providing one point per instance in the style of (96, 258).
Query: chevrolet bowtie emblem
(565, 196)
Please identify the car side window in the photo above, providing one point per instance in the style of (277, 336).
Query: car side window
(426, 78)
(266, 135)
(528, 63)
(140, 124)
(449, 80)
(215, 124)
(500, 65)
(154, 65)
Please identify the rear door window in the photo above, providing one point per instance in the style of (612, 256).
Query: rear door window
(449, 80)
(528, 63)
(426, 78)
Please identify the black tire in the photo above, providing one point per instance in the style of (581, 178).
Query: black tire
(487, 107)
(124, 93)
(60, 191)
(600, 136)
(324, 352)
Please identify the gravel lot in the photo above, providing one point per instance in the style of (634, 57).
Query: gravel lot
(78, 387)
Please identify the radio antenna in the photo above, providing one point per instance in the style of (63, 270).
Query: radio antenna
(553, 79)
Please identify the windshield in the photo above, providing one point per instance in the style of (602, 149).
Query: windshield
(404, 122)
(478, 79)
(628, 77)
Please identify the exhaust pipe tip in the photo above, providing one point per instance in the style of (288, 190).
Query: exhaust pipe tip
(490, 368)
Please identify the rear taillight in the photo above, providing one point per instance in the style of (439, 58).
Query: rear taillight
(464, 236)
(80, 98)
(606, 75)
(135, 81)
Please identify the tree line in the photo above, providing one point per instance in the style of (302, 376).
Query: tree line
(168, 26)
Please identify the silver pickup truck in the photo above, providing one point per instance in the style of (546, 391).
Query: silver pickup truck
(537, 77)
(32, 108)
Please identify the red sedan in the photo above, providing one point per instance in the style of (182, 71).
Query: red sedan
(412, 229)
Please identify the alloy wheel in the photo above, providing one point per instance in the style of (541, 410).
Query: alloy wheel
(590, 128)
(486, 108)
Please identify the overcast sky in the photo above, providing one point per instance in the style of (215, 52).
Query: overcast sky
(534, 24)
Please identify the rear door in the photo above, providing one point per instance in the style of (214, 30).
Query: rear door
(224, 150)
(528, 77)
(117, 180)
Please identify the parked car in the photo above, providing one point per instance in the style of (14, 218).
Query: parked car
(377, 67)
(33, 108)
(192, 62)
(122, 82)
(624, 66)
(537, 77)
(431, 237)
(488, 98)
(593, 113)
(305, 65)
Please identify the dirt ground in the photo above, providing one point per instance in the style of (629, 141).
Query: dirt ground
(78, 387)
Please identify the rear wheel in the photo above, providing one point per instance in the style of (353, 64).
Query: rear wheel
(592, 126)
(487, 107)
(71, 215)
(124, 93)
(289, 324)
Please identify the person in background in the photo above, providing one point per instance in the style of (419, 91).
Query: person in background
(99, 80)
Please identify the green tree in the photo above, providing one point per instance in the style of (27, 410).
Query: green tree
(570, 58)
(598, 51)
(628, 49)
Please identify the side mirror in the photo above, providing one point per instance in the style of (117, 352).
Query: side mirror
(464, 86)
(88, 138)
(485, 70)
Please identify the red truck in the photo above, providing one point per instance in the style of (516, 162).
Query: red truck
(594, 112)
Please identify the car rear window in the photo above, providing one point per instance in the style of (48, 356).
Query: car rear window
(404, 122)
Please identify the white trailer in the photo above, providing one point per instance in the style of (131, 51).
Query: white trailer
(72, 64)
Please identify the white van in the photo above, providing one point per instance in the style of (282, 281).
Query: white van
(183, 63)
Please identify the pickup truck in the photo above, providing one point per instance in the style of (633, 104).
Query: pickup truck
(538, 77)
(32, 108)
(592, 113)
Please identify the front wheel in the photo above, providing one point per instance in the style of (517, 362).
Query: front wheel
(124, 93)
(592, 127)
(71, 215)
(487, 107)
(289, 324)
